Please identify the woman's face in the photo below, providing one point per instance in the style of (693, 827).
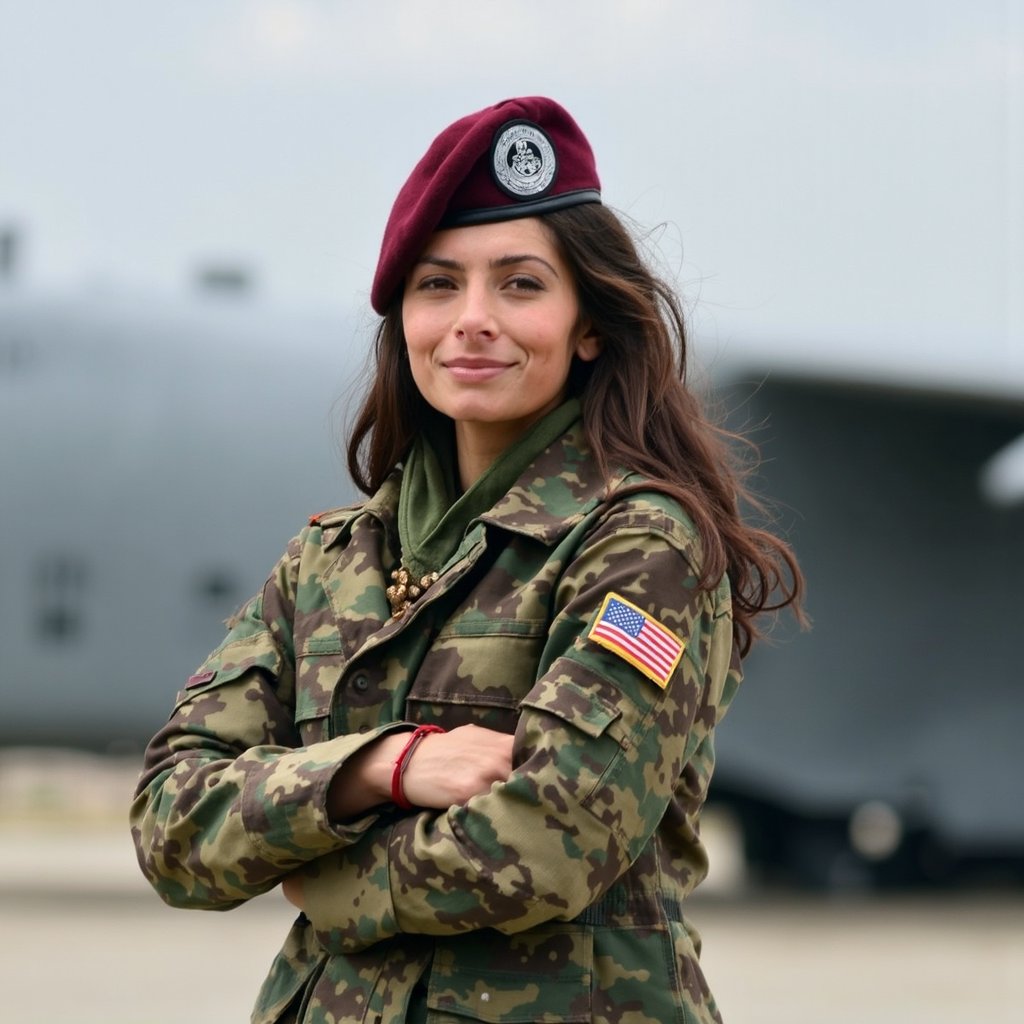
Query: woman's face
(490, 318)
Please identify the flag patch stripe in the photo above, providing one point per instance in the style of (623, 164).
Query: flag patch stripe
(661, 657)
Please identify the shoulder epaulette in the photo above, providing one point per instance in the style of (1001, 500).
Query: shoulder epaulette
(335, 516)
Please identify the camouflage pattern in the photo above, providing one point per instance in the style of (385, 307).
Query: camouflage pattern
(554, 896)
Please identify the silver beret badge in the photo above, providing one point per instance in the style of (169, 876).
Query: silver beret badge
(523, 160)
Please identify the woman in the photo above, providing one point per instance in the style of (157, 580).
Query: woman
(468, 723)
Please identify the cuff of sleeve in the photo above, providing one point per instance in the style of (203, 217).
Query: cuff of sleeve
(348, 897)
(284, 798)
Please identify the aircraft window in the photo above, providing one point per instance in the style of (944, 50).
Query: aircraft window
(61, 581)
(218, 585)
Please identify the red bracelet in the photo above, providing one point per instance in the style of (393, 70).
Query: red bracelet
(403, 759)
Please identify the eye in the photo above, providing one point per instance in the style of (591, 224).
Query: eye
(434, 282)
(524, 283)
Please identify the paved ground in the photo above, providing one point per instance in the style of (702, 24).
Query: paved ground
(84, 939)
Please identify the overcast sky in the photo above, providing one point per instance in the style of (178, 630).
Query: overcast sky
(845, 174)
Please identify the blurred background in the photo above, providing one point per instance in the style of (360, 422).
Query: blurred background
(191, 203)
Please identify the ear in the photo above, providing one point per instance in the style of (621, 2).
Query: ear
(588, 346)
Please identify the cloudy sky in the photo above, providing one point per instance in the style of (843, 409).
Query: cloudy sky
(842, 176)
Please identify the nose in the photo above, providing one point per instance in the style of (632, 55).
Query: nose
(475, 317)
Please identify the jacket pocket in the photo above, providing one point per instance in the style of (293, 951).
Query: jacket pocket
(317, 673)
(585, 708)
(228, 664)
(545, 974)
(476, 678)
(571, 725)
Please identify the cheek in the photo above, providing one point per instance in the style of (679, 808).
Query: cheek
(419, 367)
(419, 352)
(422, 331)
(415, 348)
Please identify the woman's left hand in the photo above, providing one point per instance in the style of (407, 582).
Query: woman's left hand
(292, 889)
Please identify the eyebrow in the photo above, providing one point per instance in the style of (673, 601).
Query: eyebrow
(495, 264)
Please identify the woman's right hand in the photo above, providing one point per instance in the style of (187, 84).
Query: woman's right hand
(446, 768)
(450, 767)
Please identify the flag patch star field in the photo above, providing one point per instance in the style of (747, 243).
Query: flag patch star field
(633, 635)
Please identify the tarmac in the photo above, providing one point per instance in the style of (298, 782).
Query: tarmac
(85, 939)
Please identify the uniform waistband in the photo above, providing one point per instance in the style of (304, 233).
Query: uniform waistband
(631, 908)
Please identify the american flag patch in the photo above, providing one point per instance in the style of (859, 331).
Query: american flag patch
(631, 634)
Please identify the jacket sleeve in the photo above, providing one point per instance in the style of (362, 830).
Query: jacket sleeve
(228, 800)
(599, 750)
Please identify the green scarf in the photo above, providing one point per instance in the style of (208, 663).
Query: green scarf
(432, 516)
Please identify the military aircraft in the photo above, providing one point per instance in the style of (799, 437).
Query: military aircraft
(157, 456)
(884, 745)
(156, 459)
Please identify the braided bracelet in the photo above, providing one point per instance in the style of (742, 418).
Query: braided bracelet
(402, 761)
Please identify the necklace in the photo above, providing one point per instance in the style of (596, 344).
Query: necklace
(403, 591)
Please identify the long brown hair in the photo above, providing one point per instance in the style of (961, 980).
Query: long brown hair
(638, 413)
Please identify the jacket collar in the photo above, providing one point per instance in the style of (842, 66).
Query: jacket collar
(556, 492)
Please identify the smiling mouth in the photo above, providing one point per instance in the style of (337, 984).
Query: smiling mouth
(474, 364)
(475, 370)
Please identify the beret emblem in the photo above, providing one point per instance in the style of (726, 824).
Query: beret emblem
(523, 160)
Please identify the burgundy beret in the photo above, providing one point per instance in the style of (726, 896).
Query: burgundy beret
(519, 158)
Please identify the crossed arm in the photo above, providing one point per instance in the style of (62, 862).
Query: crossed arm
(512, 831)
(444, 770)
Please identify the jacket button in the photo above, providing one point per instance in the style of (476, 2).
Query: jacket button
(361, 683)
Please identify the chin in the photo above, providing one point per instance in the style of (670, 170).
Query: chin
(476, 412)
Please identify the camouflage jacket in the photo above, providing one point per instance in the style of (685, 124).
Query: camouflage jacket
(555, 896)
